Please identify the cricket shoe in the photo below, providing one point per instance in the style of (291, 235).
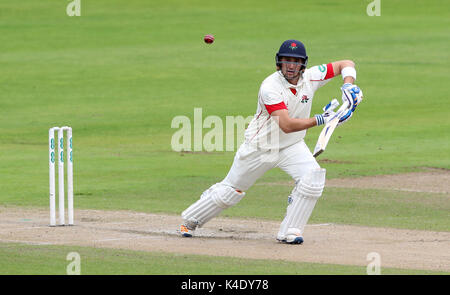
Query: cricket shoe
(186, 231)
(293, 236)
(291, 240)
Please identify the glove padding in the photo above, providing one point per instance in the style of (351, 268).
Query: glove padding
(351, 94)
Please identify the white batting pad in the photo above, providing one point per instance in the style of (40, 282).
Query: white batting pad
(213, 201)
(303, 199)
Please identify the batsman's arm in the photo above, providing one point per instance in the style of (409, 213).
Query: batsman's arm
(288, 124)
(349, 73)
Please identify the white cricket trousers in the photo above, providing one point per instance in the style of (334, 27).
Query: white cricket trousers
(250, 164)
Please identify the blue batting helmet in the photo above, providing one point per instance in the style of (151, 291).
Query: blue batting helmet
(292, 48)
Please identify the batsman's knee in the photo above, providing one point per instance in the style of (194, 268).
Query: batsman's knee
(312, 184)
(225, 196)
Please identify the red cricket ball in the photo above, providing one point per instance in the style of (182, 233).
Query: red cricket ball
(209, 39)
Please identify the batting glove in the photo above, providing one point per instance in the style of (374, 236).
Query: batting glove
(328, 114)
(351, 94)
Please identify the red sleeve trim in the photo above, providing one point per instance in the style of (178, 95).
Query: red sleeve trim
(274, 107)
(330, 72)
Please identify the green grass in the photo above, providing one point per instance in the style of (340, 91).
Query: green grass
(19, 259)
(123, 70)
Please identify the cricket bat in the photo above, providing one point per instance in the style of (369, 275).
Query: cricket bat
(328, 130)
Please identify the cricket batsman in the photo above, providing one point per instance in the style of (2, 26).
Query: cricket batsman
(274, 138)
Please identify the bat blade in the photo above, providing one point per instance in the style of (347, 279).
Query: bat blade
(328, 130)
(325, 136)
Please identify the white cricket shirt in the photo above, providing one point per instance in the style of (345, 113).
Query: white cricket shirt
(277, 93)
